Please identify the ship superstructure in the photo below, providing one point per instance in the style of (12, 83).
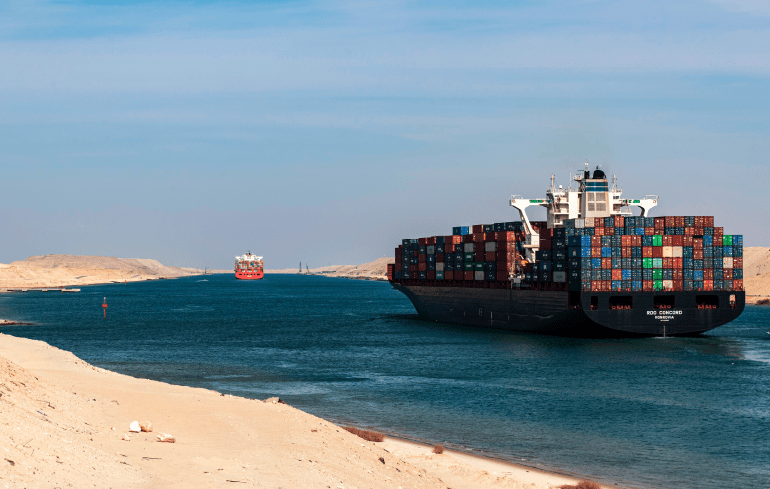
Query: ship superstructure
(249, 267)
(592, 266)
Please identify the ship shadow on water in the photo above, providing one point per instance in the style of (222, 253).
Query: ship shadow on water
(702, 344)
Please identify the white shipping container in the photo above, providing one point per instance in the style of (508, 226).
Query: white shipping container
(580, 223)
(589, 222)
(468, 247)
(668, 252)
(431, 250)
(727, 262)
(478, 275)
(668, 284)
(440, 266)
(560, 276)
(490, 246)
(677, 252)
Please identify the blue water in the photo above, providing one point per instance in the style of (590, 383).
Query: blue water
(668, 413)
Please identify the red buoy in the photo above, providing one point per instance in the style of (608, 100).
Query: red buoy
(104, 307)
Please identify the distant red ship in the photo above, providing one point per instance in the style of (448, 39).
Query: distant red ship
(249, 267)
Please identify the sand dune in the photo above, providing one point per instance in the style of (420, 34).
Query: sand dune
(58, 415)
(374, 270)
(756, 273)
(69, 270)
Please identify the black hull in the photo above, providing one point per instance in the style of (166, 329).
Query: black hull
(571, 313)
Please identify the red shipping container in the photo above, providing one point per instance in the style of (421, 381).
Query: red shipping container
(668, 240)
(502, 276)
(449, 275)
(708, 222)
(737, 262)
(596, 252)
(647, 251)
(617, 274)
(467, 275)
(667, 263)
(708, 285)
(636, 240)
(606, 285)
(431, 275)
(606, 262)
(609, 231)
(708, 274)
(421, 258)
(505, 256)
(398, 267)
(509, 246)
(596, 241)
(687, 240)
(678, 285)
(670, 221)
(678, 274)
(677, 240)
(449, 248)
(477, 228)
(697, 254)
(468, 238)
(727, 273)
(689, 231)
(679, 221)
(489, 237)
(697, 243)
(737, 284)
(479, 256)
(719, 230)
(422, 241)
(649, 231)
(456, 239)
(596, 285)
(698, 231)
(657, 252)
(489, 256)
(625, 252)
(546, 244)
(439, 257)
(478, 237)
(431, 240)
(678, 263)
(620, 222)
(412, 268)
(625, 241)
(505, 236)
(660, 223)
(598, 232)
(422, 267)
(647, 285)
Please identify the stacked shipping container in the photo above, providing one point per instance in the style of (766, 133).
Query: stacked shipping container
(593, 254)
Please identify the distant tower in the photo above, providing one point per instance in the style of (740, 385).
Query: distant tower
(300, 268)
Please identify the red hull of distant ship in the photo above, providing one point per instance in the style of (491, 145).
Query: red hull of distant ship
(255, 275)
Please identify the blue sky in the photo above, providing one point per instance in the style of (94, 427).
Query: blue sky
(326, 132)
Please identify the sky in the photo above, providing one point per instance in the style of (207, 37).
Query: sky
(193, 131)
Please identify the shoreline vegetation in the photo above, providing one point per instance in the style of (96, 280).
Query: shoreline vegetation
(66, 422)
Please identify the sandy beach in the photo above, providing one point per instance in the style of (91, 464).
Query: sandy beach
(64, 423)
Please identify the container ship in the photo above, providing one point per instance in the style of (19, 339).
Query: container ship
(249, 267)
(592, 269)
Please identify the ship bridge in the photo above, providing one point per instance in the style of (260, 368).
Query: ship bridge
(591, 197)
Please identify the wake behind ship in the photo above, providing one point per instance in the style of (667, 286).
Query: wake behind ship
(591, 269)
(249, 267)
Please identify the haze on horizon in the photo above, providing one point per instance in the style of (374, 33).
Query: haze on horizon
(192, 131)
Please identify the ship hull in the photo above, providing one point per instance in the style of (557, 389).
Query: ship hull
(257, 275)
(575, 313)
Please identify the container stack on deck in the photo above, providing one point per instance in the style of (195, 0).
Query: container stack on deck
(617, 253)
